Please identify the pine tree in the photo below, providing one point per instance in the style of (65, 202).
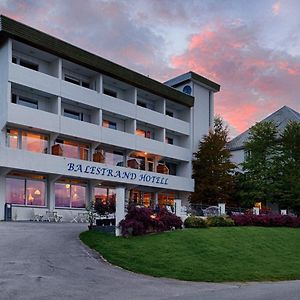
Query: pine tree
(212, 168)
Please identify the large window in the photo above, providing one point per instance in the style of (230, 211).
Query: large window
(166, 199)
(26, 140)
(71, 149)
(25, 63)
(105, 194)
(109, 124)
(70, 195)
(26, 191)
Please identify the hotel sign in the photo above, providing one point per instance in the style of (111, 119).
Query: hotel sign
(109, 173)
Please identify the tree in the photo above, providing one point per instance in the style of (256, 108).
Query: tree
(212, 168)
(259, 180)
(289, 185)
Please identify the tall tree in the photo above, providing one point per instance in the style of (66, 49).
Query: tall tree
(289, 185)
(212, 168)
(260, 173)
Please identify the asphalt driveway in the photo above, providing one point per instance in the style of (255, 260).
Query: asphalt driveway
(47, 261)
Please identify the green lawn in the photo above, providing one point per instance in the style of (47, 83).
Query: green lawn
(214, 254)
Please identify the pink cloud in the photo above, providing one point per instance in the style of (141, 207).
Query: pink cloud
(254, 81)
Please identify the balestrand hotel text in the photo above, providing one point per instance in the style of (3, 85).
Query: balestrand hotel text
(75, 127)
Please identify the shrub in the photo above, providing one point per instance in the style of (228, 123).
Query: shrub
(141, 220)
(219, 221)
(105, 207)
(169, 220)
(195, 222)
(270, 220)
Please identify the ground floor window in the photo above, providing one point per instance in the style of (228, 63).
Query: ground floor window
(70, 194)
(29, 190)
(166, 199)
(140, 198)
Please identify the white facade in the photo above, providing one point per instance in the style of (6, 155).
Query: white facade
(70, 133)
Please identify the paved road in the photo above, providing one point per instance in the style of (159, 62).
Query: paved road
(47, 261)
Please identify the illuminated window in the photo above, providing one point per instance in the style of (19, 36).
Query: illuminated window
(12, 137)
(71, 195)
(109, 124)
(72, 149)
(26, 191)
(34, 142)
(140, 132)
(30, 141)
(166, 199)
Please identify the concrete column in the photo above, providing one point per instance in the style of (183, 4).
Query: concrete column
(222, 209)
(51, 191)
(2, 196)
(120, 207)
(178, 207)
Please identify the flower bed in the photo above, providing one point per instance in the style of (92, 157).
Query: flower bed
(267, 220)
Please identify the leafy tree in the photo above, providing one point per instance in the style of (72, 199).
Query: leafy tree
(212, 168)
(260, 170)
(289, 185)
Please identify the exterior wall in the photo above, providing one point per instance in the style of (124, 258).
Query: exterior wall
(238, 156)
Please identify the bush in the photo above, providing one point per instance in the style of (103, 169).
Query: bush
(268, 220)
(105, 207)
(195, 222)
(169, 220)
(219, 221)
(141, 221)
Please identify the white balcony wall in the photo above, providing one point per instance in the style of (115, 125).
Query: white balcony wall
(79, 129)
(79, 94)
(25, 116)
(118, 106)
(117, 138)
(34, 79)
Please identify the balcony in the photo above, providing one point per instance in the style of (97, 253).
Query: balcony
(34, 79)
(79, 129)
(29, 117)
(56, 165)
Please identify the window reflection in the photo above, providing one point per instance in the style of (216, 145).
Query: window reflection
(71, 149)
(12, 138)
(25, 191)
(70, 195)
(34, 142)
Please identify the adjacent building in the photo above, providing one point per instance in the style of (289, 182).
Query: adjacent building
(75, 127)
(280, 118)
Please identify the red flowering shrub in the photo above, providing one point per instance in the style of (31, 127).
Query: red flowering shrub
(140, 221)
(270, 220)
(169, 220)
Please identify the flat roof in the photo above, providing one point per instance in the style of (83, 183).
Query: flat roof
(10, 28)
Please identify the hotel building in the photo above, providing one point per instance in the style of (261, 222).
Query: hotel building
(75, 127)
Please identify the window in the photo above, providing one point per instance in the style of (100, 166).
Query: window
(113, 158)
(29, 65)
(169, 113)
(104, 194)
(71, 149)
(166, 199)
(30, 141)
(70, 195)
(26, 191)
(25, 63)
(77, 81)
(169, 140)
(34, 142)
(73, 114)
(12, 138)
(110, 92)
(24, 101)
(109, 124)
(142, 104)
(143, 133)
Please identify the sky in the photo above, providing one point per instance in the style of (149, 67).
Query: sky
(251, 48)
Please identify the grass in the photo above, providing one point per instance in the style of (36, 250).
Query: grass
(216, 254)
